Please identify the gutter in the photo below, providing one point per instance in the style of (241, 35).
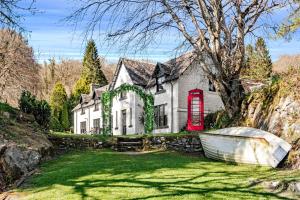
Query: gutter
(172, 112)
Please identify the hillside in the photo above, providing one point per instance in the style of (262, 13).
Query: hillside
(285, 62)
(276, 108)
(22, 144)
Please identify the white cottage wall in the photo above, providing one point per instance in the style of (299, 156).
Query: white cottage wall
(171, 89)
(131, 101)
(194, 78)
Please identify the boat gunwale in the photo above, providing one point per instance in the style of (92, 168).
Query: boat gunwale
(241, 136)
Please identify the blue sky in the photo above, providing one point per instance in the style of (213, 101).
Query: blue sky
(50, 37)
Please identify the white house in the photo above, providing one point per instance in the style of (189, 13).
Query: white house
(87, 114)
(169, 83)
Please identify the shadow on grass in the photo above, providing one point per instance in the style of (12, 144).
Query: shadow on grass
(149, 176)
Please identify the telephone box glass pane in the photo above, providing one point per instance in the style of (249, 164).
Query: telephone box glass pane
(195, 111)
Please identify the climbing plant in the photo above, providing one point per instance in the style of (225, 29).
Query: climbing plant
(106, 100)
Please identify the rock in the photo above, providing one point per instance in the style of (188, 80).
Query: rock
(273, 185)
(6, 115)
(17, 161)
(295, 187)
(257, 113)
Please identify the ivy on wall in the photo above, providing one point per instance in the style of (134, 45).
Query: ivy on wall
(106, 100)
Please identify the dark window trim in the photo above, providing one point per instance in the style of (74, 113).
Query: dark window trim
(158, 120)
(130, 117)
(211, 86)
(82, 110)
(96, 106)
(117, 124)
(97, 128)
(123, 95)
(159, 87)
(160, 92)
(83, 130)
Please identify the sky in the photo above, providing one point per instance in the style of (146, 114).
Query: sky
(51, 37)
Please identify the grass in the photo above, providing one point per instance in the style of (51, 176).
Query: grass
(162, 175)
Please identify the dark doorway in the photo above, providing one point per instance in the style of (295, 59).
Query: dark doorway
(123, 122)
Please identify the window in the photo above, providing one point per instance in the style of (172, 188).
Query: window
(82, 110)
(112, 121)
(211, 86)
(160, 117)
(123, 95)
(116, 120)
(96, 123)
(159, 83)
(82, 127)
(96, 106)
(130, 117)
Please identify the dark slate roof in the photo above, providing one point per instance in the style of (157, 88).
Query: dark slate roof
(88, 99)
(174, 68)
(139, 71)
(85, 98)
(99, 91)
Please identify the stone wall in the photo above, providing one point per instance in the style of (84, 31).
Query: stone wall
(186, 143)
(63, 144)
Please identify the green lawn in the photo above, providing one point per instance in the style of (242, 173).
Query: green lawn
(161, 175)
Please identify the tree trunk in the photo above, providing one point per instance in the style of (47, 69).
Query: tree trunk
(232, 94)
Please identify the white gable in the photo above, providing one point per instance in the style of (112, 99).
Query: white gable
(122, 77)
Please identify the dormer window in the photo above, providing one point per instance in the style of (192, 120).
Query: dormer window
(211, 86)
(159, 83)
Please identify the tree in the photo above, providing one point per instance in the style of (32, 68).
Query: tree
(42, 113)
(91, 72)
(57, 100)
(292, 24)
(27, 102)
(92, 66)
(81, 87)
(259, 63)
(18, 68)
(40, 109)
(65, 117)
(66, 71)
(13, 11)
(215, 30)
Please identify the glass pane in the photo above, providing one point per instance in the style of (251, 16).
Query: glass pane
(196, 111)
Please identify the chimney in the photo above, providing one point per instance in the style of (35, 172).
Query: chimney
(94, 86)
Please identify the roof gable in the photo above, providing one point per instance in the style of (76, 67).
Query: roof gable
(173, 68)
(139, 72)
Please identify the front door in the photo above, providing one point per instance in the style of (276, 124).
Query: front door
(123, 122)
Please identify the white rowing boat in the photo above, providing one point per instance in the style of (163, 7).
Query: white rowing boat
(244, 145)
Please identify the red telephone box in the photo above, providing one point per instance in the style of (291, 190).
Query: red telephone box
(195, 110)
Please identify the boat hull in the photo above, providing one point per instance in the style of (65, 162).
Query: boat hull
(261, 149)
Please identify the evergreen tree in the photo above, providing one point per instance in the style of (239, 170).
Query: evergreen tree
(92, 66)
(81, 87)
(58, 99)
(91, 72)
(258, 63)
(65, 117)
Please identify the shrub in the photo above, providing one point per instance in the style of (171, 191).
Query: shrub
(40, 109)
(65, 122)
(42, 113)
(219, 119)
(55, 125)
(27, 102)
